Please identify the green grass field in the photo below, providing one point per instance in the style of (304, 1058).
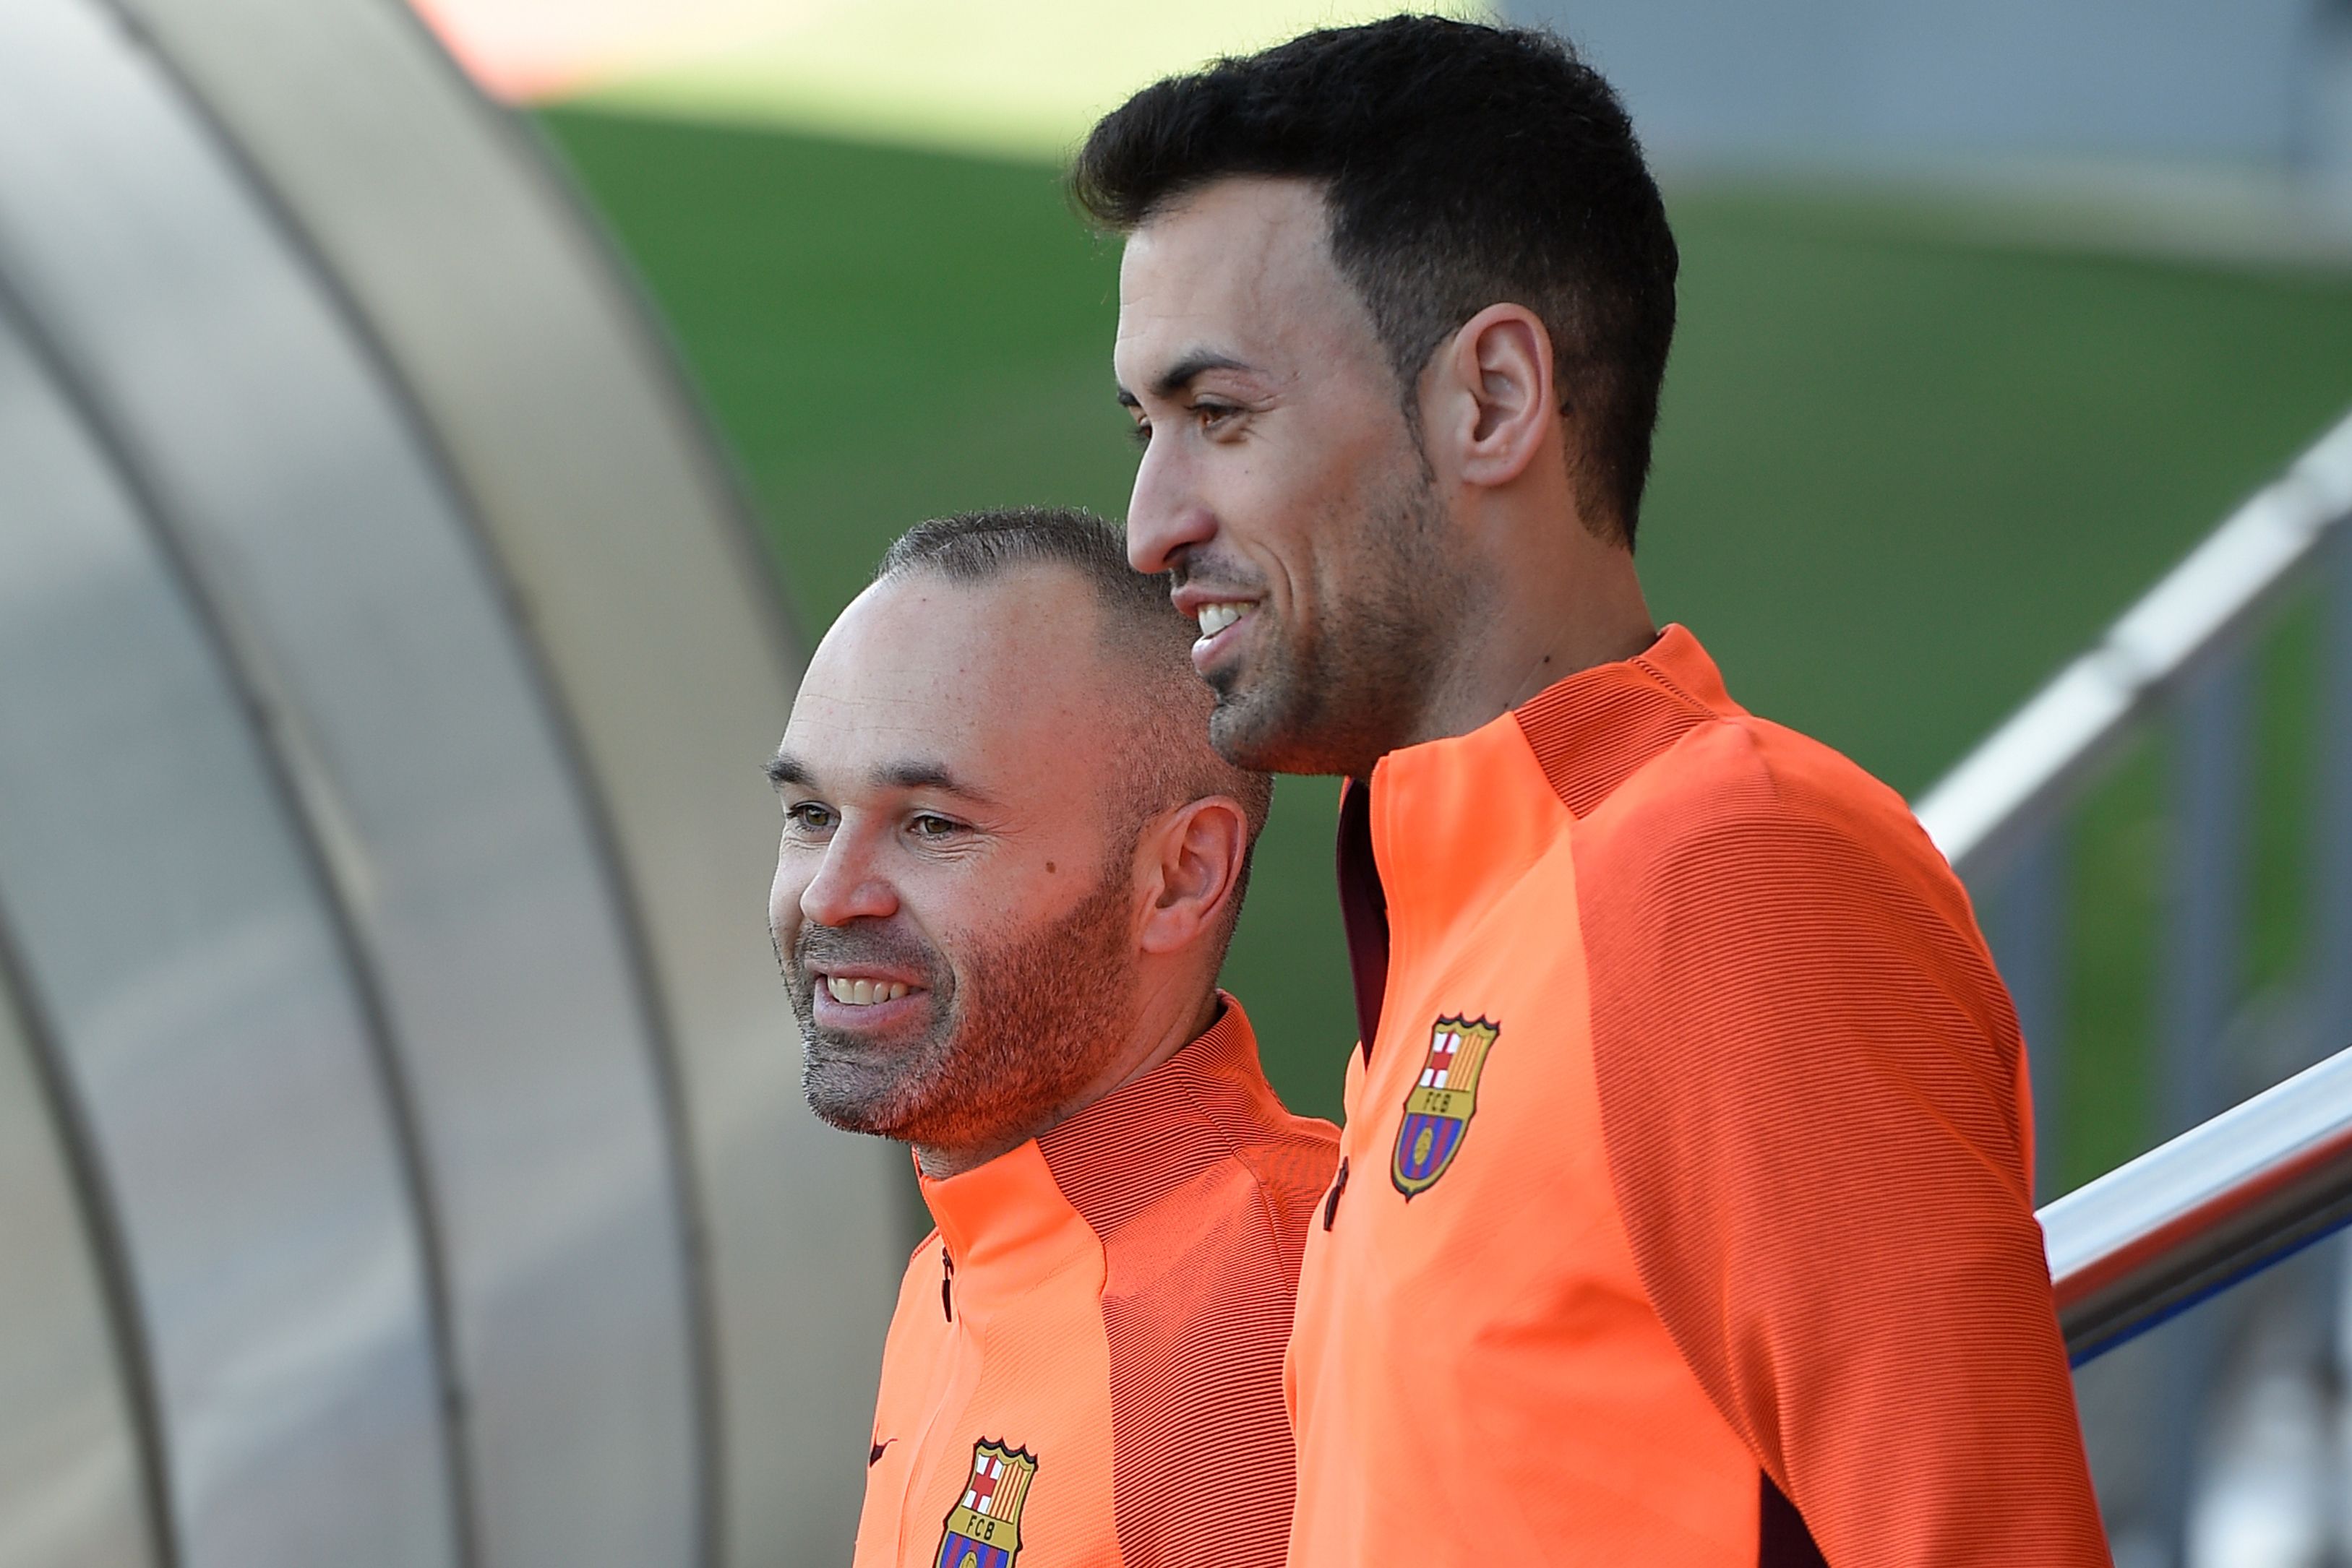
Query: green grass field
(1904, 471)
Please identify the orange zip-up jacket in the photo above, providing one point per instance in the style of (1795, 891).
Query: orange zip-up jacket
(1682, 1214)
(1085, 1362)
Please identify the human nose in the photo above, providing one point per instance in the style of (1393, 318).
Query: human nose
(847, 886)
(1165, 516)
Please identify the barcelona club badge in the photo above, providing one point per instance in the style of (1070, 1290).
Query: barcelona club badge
(1437, 1111)
(983, 1528)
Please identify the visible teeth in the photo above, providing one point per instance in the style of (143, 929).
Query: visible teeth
(863, 993)
(1215, 618)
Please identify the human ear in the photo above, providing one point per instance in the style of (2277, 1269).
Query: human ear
(1498, 371)
(1196, 861)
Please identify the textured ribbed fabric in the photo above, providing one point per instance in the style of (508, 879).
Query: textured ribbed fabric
(1707, 1237)
(1200, 1187)
(1109, 1302)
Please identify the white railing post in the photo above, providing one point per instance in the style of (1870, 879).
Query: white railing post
(2205, 935)
(2331, 951)
(2025, 925)
(2330, 955)
(2198, 992)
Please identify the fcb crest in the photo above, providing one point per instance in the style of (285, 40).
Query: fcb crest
(983, 1528)
(1443, 1098)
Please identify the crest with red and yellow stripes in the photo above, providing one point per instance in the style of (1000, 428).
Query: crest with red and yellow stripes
(1438, 1108)
(983, 1528)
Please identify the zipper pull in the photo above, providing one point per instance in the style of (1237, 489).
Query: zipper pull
(1331, 1204)
(947, 1283)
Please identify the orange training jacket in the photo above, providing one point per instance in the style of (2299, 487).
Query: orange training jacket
(1085, 1362)
(1682, 1214)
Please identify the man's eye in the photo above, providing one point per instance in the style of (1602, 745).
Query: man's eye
(1141, 433)
(809, 816)
(927, 826)
(1213, 414)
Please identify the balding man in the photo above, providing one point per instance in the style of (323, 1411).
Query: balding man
(1009, 868)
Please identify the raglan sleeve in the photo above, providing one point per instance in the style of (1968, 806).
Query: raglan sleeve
(1809, 1079)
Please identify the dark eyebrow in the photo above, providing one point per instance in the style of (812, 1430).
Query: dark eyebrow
(1184, 371)
(928, 776)
(784, 769)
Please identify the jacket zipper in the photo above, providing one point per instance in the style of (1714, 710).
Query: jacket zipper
(1339, 1186)
(920, 1461)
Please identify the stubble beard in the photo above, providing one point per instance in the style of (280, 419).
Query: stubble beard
(1337, 698)
(1038, 1016)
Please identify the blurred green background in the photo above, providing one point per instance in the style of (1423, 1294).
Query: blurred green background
(1910, 463)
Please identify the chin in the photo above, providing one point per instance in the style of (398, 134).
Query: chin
(1236, 741)
(1252, 726)
(1265, 734)
(853, 1092)
(847, 1107)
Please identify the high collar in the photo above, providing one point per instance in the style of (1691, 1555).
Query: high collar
(1443, 826)
(1592, 730)
(1030, 1211)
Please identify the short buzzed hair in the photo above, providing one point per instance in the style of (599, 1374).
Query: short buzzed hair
(1463, 164)
(1143, 633)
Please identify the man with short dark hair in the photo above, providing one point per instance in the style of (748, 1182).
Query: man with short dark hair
(1682, 1213)
(1009, 867)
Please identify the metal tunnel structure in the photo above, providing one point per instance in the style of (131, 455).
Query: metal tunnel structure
(402, 1157)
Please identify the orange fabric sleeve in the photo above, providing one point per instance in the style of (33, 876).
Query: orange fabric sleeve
(1809, 1079)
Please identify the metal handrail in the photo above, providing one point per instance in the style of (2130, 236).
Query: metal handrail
(2256, 1183)
(2014, 779)
(2193, 1216)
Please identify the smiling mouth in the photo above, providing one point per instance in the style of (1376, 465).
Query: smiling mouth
(1215, 618)
(865, 993)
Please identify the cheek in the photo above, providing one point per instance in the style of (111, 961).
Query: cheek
(784, 890)
(1314, 543)
(953, 911)
(1294, 503)
(980, 915)
(1264, 520)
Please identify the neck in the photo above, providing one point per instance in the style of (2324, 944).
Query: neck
(1545, 614)
(1173, 1013)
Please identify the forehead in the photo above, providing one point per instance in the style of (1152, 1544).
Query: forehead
(1241, 267)
(996, 681)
